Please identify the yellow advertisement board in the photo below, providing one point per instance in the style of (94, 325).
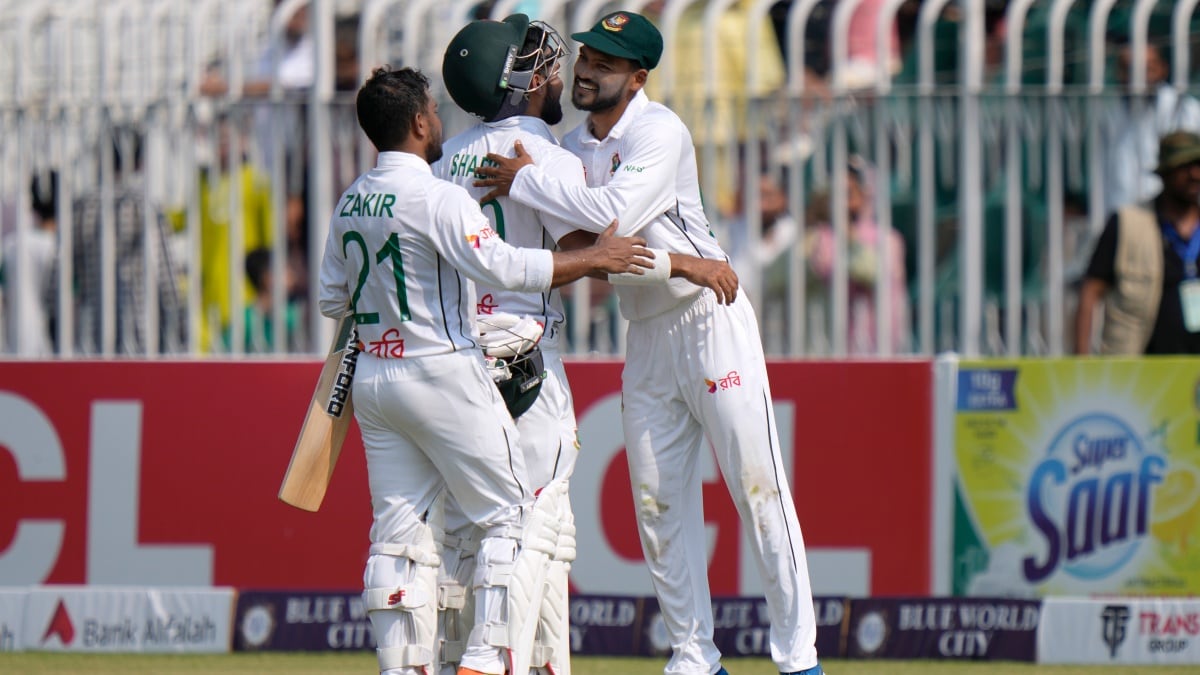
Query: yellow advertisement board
(1077, 476)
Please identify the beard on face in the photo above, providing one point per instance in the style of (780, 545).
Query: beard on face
(552, 111)
(603, 98)
(433, 151)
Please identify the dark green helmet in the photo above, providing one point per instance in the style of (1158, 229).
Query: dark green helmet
(484, 67)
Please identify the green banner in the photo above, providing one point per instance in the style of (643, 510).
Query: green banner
(1077, 476)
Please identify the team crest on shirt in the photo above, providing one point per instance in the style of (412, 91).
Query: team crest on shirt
(615, 23)
(474, 240)
(728, 381)
(616, 163)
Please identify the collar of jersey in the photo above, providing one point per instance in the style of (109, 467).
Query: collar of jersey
(521, 122)
(635, 107)
(406, 159)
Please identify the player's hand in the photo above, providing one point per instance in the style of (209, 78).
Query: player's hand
(618, 255)
(715, 274)
(501, 176)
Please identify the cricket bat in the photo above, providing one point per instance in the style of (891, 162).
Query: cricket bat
(325, 426)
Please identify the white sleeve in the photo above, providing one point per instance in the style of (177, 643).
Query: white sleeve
(568, 169)
(464, 236)
(642, 188)
(1190, 113)
(334, 297)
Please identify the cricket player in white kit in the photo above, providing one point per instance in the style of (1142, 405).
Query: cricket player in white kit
(475, 62)
(507, 75)
(402, 252)
(694, 368)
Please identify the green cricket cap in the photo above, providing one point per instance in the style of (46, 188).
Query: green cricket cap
(627, 35)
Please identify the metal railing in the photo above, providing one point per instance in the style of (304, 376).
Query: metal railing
(987, 154)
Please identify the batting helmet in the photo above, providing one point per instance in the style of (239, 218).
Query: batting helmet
(519, 379)
(486, 71)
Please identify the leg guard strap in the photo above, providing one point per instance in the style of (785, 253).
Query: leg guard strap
(513, 562)
(564, 549)
(400, 599)
(409, 656)
(456, 605)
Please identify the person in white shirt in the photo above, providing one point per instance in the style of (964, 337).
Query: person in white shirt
(402, 252)
(475, 63)
(695, 368)
(35, 333)
(1131, 129)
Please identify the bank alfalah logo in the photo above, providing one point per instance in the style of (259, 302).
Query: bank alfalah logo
(1114, 618)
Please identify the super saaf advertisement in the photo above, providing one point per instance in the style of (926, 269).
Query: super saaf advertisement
(1077, 477)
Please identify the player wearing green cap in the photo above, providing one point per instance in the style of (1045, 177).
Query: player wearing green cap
(694, 370)
(506, 74)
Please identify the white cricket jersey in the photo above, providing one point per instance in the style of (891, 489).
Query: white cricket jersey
(516, 223)
(401, 248)
(643, 174)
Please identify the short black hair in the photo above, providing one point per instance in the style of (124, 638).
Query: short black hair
(258, 267)
(532, 49)
(43, 192)
(387, 104)
(126, 149)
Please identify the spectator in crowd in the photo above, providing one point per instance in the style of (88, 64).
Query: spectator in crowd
(862, 252)
(1143, 268)
(726, 130)
(287, 60)
(219, 184)
(762, 267)
(261, 336)
(862, 64)
(38, 328)
(127, 204)
(1131, 128)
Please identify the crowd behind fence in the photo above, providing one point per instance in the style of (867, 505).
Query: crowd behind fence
(889, 176)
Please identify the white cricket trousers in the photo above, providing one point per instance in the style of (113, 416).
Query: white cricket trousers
(695, 373)
(434, 423)
(431, 424)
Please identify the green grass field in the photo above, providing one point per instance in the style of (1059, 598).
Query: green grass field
(364, 664)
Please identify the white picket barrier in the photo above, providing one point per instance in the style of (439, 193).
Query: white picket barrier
(992, 169)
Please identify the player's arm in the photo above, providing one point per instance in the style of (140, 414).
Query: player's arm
(334, 293)
(464, 236)
(717, 275)
(641, 188)
(1091, 294)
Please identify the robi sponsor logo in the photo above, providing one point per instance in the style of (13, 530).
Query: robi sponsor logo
(474, 240)
(1090, 499)
(728, 381)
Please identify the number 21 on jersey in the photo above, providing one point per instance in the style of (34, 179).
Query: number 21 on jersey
(390, 251)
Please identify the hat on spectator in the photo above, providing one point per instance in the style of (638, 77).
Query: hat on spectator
(627, 35)
(1177, 149)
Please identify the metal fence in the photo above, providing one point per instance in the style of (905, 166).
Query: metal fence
(890, 176)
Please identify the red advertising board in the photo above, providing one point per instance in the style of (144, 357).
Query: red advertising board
(165, 473)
